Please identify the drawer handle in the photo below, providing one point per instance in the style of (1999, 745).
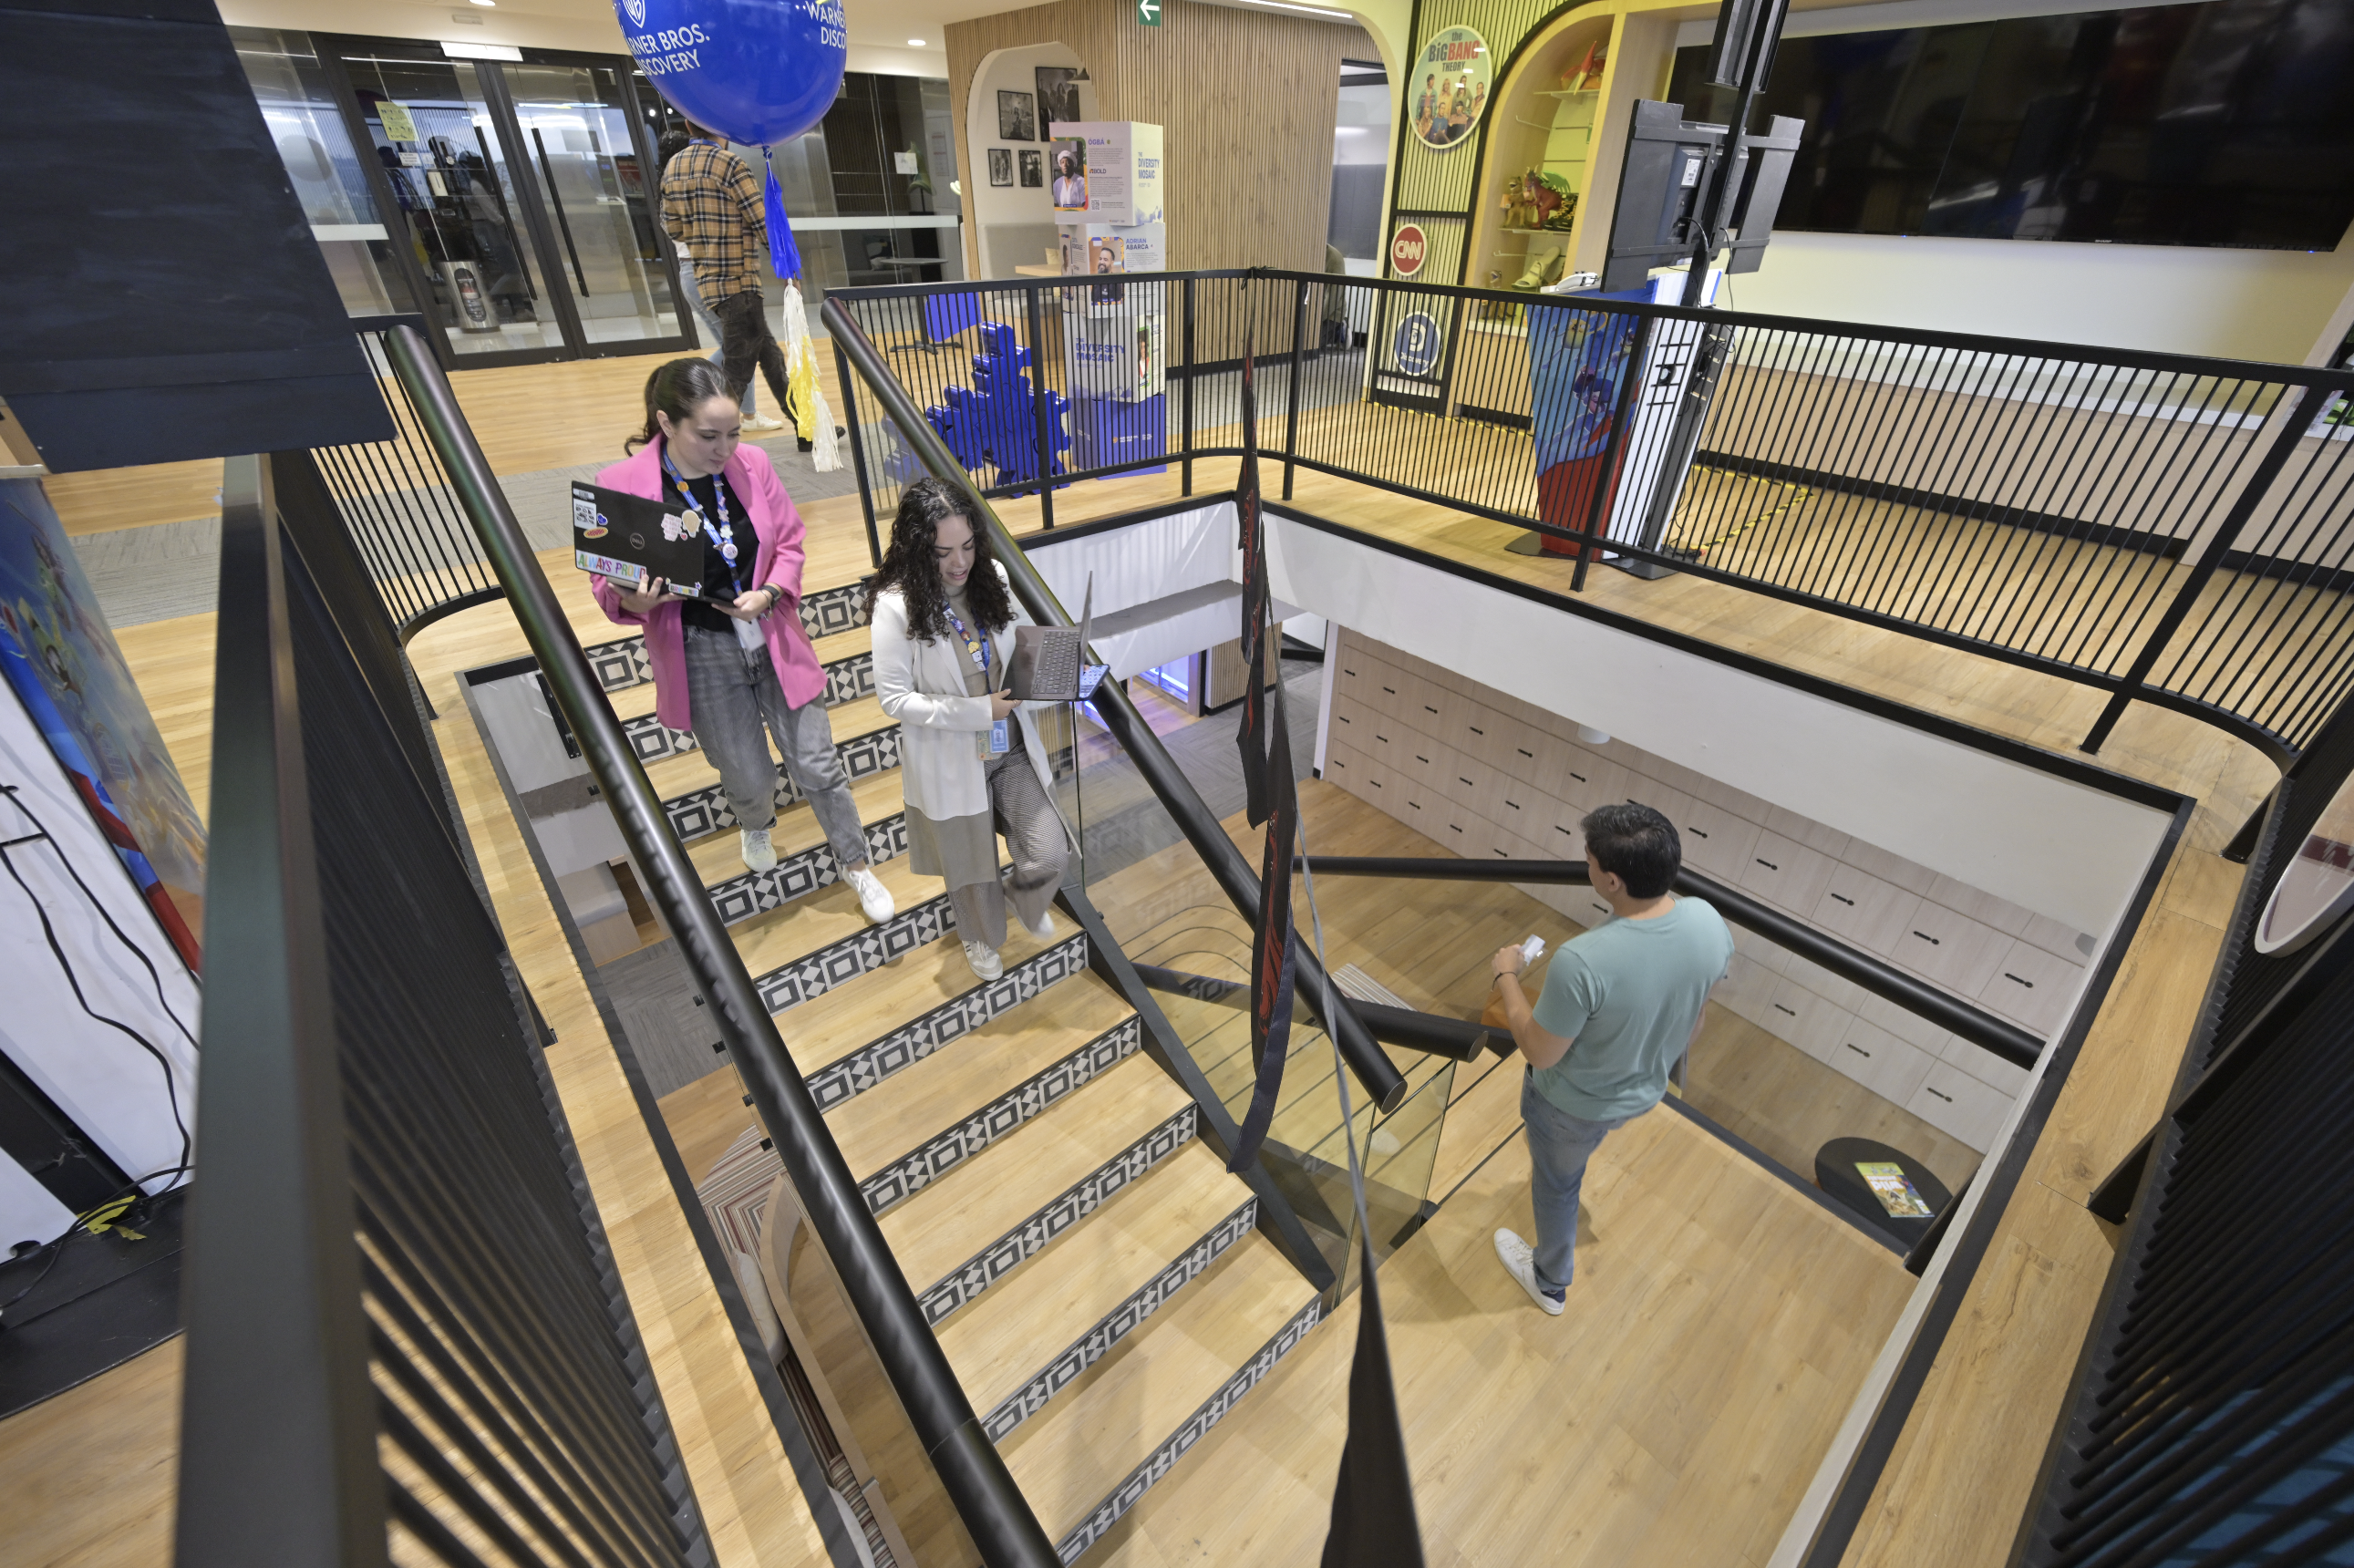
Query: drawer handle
(1849, 902)
(1579, 777)
(1559, 829)
(1415, 804)
(1940, 1094)
(1696, 832)
(1769, 865)
(2027, 983)
(1928, 939)
(1343, 717)
(1779, 1008)
(1604, 908)
(1465, 782)
(1524, 751)
(1424, 760)
(1475, 729)
(1515, 805)
(1374, 782)
(1391, 690)
(1856, 1049)
(1428, 709)
(1453, 829)
(1380, 736)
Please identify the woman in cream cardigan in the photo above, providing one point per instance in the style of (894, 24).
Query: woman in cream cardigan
(970, 760)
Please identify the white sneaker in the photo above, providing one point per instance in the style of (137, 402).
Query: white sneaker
(984, 960)
(758, 852)
(873, 896)
(762, 422)
(1519, 1262)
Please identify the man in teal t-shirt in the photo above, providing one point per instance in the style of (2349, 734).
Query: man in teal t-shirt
(1620, 1004)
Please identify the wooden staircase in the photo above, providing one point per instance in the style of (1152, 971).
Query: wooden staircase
(1099, 1283)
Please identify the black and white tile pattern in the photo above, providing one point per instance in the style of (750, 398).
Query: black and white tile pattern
(839, 963)
(1025, 1241)
(846, 681)
(841, 1081)
(1118, 1324)
(702, 812)
(739, 899)
(621, 663)
(1107, 1513)
(912, 1173)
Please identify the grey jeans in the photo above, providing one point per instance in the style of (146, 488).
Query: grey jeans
(1559, 1145)
(1033, 837)
(734, 693)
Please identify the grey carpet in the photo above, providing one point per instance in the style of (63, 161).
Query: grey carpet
(170, 569)
(668, 1031)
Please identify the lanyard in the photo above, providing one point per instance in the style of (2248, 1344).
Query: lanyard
(976, 646)
(724, 531)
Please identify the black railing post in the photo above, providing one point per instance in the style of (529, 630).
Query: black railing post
(278, 1428)
(1038, 408)
(1169, 784)
(858, 454)
(2309, 405)
(1191, 373)
(982, 1488)
(1606, 485)
(1291, 413)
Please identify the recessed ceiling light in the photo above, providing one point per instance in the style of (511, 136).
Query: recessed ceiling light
(912, 43)
(486, 5)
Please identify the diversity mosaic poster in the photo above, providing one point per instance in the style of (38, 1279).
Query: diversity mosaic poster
(1578, 361)
(64, 666)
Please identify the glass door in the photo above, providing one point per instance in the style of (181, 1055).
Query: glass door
(597, 196)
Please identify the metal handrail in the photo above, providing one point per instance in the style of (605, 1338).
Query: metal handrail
(990, 1505)
(1372, 1069)
(1980, 1028)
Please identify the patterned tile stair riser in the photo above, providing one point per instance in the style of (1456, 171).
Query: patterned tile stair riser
(702, 812)
(739, 899)
(1026, 1240)
(1107, 1513)
(621, 663)
(1118, 1324)
(846, 681)
(840, 1081)
(913, 1171)
(839, 963)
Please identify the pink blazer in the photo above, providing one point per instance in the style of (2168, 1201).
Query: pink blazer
(753, 478)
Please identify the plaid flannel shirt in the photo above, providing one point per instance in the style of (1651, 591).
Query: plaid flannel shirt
(710, 203)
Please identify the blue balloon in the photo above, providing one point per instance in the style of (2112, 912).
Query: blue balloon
(760, 72)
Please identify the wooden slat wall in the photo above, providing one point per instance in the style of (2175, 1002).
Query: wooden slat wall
(1247, 101)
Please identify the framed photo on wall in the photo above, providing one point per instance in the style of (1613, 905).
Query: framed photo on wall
(1058, 97)
(1000, 166)
(1034, 167)
(1016, 121)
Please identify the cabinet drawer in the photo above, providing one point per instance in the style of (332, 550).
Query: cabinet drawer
(1747, 991)
(1786, 874)
(2032, 988)
(1715, 840)
(1952, 1101)
(1954, 950)
(1805, 1020)
(1588, 780)
(1867, 911)
(1882, 1062)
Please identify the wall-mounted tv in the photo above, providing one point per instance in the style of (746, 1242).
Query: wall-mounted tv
(2229, 123)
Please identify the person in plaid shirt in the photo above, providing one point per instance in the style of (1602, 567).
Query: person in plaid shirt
(711, 204)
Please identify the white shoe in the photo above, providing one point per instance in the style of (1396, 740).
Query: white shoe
(984, 960)
(762, 422)
(1520, 1263)
(758, 852)
(873, 896)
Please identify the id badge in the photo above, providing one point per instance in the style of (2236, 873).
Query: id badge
(1001, 739)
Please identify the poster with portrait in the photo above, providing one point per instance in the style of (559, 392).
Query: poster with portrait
(1016, 121)
(1058, 97)
(1033, 168)
(1070, 164)
(61, 660)
(1106, 254)
(1447, 90)
(1000, 166)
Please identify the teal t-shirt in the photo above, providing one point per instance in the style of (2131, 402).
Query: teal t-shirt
(1626, 995)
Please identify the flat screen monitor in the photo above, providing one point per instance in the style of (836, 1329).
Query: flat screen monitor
(1661, 185)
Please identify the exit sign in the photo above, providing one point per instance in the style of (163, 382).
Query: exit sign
(1149, 11)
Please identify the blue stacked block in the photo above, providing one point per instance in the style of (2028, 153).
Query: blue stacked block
(1105, 430)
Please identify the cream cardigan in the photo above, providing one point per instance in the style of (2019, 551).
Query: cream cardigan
(921, 684)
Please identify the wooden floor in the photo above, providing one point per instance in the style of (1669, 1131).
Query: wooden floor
(1670, 1417)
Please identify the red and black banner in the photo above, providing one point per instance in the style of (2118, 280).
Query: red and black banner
(1271, 967)
(1253, 523)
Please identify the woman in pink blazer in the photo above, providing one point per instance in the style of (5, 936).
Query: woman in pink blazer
(734, 660)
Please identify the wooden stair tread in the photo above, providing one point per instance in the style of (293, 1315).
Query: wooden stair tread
(719, 857)
(825, 917)
(1066, 1457)
(692, 771)
(955, 1082)
(1013, 1330)
(859, 1011)
(937, 1229)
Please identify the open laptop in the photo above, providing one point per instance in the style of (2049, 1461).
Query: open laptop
(630, 538)
(1049, 663)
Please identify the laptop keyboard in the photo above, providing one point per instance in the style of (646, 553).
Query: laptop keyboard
(1059, 660)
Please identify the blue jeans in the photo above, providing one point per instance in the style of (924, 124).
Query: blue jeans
(1559, 1145)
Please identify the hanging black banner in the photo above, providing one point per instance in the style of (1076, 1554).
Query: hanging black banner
(1271, 967)
(1254, 607)
(1373, 1524)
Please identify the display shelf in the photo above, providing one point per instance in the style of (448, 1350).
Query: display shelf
(1550, 233)
(1572, 92)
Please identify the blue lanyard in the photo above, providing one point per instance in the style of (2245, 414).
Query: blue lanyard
(976, 646)
(724, 531)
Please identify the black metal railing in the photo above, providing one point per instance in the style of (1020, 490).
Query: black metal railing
(977, 1484)
(2161, 527)
(406, 1337)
